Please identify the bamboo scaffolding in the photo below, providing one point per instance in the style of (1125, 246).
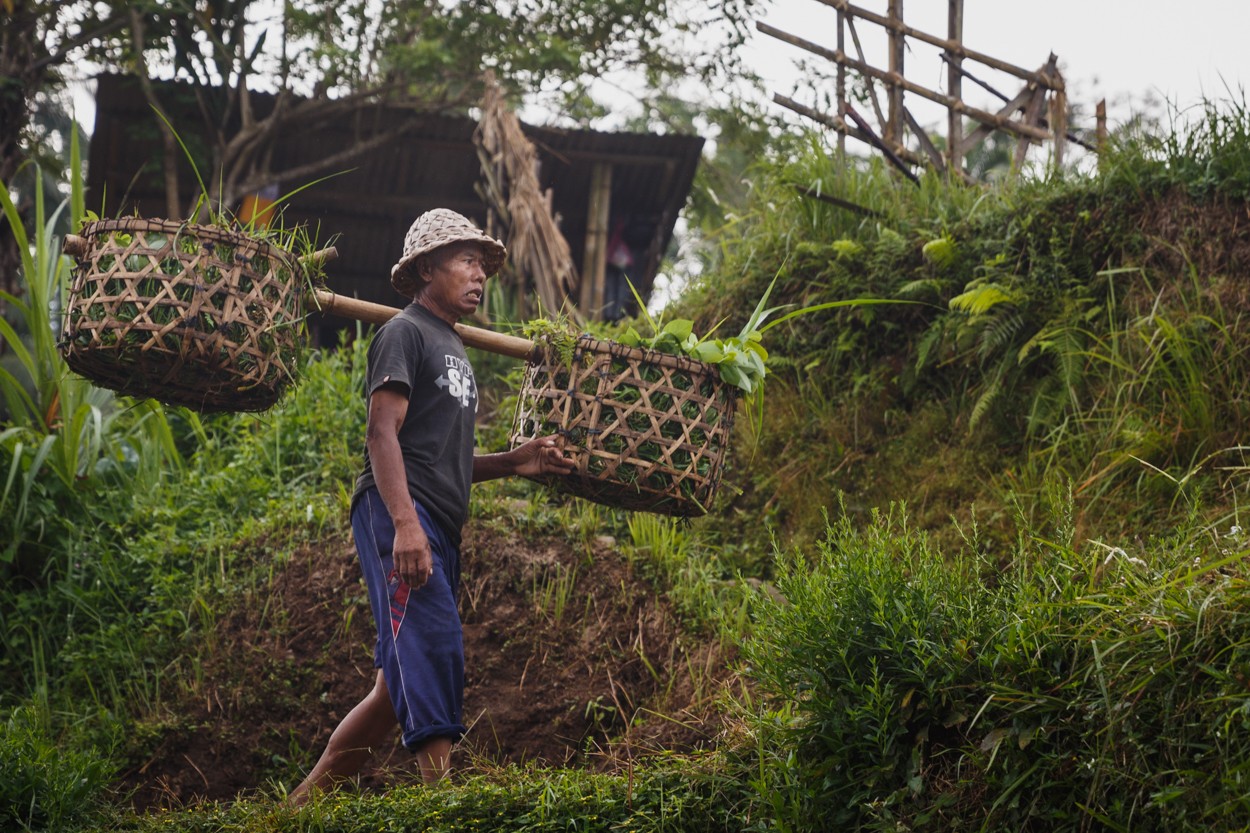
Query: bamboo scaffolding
(872, 89)
(926, 144)
(1059, 121)
(880, 145)
(853, 207)
(970, 141)
(955, 47)
(839, 125)
(1100, 119)
(983, 116)
(954, 86)
(841, 83)
(1032, 115)
(893, 127)
(1072, 137)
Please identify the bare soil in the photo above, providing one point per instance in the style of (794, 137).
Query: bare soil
(612, 677)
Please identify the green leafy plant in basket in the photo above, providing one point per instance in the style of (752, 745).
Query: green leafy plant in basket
(205, 314)
(742, 359)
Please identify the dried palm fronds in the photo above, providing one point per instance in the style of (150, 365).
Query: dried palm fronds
(538, 253)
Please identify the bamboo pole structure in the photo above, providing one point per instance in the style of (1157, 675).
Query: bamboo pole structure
(1032, 115)
(841, 83)
(954, 87)
(1059, 124)
(981, 131)
(893, 128)
(595, 257)
(880, 145)
(872, 88)
(854, 208)
(926, 144)
(983, 116)
(840, 126)
(953, 46)
(1050, 68)
(1100, 120)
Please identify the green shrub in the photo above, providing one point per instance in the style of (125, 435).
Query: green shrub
(48, 783)
(867, 647)
(671, 796)
(1064, 691)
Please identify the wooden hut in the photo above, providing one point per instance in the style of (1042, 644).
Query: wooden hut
(644, 179)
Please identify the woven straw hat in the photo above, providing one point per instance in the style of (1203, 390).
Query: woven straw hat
(432, 230)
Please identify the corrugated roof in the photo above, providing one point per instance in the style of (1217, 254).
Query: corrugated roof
(369, 207)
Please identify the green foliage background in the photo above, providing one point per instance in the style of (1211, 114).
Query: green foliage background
(993, 534)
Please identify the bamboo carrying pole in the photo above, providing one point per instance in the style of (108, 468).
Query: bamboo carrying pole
(326, 301)
(370, 313)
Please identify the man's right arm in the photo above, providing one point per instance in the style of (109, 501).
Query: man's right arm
(388, 405)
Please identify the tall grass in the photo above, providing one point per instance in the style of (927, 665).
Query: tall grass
(1204, 150)
(46, 785)
(121, 523)
(1076, 688)
(1161, 397)
(58, 423)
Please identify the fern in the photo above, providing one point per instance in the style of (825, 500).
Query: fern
(993, 387)
(929, 342)
(979, 300)
(924, 287)
(998, 332)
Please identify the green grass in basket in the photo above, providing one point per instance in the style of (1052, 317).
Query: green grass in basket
(626, 394)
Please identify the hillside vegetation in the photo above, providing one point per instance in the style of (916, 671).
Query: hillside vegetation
(1079, 334)
(984, 553)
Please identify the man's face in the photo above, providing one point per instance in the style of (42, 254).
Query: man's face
(455, 278)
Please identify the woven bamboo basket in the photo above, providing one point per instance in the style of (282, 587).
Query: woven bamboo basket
(646, 430)
(191, 315)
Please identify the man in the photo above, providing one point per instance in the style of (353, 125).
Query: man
(413, 497)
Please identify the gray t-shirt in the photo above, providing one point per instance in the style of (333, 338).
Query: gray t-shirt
(424, 354)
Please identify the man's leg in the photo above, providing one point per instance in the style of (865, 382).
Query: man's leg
(434, 758)
(367, 725)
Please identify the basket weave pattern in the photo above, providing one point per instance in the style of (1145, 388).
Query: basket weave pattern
(190, 315)
(646, 430)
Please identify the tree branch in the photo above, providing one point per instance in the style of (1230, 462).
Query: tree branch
(83, 39)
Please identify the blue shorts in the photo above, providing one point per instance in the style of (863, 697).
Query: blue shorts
(420, 646)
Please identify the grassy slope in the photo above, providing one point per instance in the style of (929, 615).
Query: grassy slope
(1086, 332)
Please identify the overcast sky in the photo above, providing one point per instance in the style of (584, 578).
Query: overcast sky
(1122, 50)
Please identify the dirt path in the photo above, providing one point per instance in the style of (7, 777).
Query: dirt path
(570, 660)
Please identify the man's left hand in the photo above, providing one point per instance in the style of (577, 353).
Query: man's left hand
(542, 455)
